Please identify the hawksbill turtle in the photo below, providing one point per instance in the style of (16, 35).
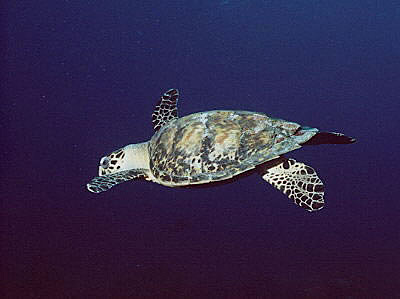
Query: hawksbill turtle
(219, 146)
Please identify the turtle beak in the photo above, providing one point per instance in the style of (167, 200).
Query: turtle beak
(102, 171)
(104, 163)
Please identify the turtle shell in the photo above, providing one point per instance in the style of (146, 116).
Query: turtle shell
(216, 145)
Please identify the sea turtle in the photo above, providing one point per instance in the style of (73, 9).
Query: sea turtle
(220, 145)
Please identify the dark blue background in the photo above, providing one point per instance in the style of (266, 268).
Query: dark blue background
(80, 79)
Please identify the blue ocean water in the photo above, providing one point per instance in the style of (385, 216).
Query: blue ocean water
(80, 79)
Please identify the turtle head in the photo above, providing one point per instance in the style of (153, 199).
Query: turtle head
(132, 156)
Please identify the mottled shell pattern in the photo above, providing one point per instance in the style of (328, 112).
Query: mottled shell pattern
(217, 145)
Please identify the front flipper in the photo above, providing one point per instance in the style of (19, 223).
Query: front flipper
(105, 182)
(166, 109)
(298, 181)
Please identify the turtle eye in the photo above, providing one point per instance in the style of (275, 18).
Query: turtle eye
(104, 162)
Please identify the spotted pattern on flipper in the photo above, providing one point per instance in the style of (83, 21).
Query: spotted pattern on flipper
(105, 182)
(299, 182)
(166, 109)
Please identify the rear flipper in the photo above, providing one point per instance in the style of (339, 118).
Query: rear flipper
(329, 138)
(106, 182)
(297, 180)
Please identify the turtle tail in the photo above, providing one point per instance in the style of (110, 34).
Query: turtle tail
(329, 138)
